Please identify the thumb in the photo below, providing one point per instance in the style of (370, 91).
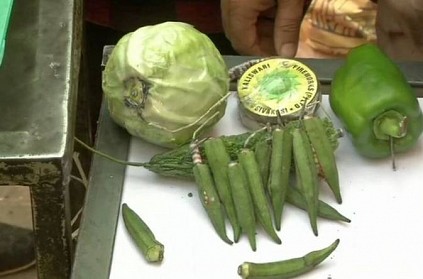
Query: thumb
(289, 15)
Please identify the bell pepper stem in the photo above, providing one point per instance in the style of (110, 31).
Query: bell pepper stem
(392, 146)
(390, 124)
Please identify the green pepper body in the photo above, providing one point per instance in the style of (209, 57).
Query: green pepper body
(366, 86)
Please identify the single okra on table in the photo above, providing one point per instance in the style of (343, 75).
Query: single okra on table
(286, 269)
(142, 235)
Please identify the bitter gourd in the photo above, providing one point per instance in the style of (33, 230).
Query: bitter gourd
(178, 162)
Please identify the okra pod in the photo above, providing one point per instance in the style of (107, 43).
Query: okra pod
(142, 235)
(287, 268)
(280, 168)
(210, 199)
(262, 152)
(324, 210)
(306, 174)
(324, 152)
(243, 202)
(261, 205)
(218, 160)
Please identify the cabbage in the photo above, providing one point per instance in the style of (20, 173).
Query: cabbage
(166, 82)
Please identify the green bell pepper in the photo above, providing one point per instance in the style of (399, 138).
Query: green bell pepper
(376, 105)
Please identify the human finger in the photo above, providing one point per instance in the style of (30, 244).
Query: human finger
(242, 20)
(289, 15)
(265, 40)
(239, 22)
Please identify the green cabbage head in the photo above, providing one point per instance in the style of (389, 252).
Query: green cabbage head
(164, 82)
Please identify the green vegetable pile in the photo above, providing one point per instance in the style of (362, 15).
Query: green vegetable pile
(238, 175)
(252, 182)
(246, 179)
(164, 82)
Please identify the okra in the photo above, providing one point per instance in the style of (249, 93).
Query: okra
(261, 205)
(142, 235)
(243, 202)
(306, 174)
(324, 153)
(263, 152)
(210, 199)
(280, 168)
(324, 210)
(218, 160)
(287, 268)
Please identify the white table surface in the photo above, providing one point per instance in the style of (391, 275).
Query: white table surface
(384, 239)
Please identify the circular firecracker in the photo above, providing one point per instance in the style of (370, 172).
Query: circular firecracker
(277, 86)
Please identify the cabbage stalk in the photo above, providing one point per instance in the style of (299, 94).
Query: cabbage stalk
(166, 83)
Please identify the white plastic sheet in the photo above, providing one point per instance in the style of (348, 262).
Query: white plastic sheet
(384, 239)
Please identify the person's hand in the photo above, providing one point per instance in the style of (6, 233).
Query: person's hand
(263, 27)
(399, 26)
